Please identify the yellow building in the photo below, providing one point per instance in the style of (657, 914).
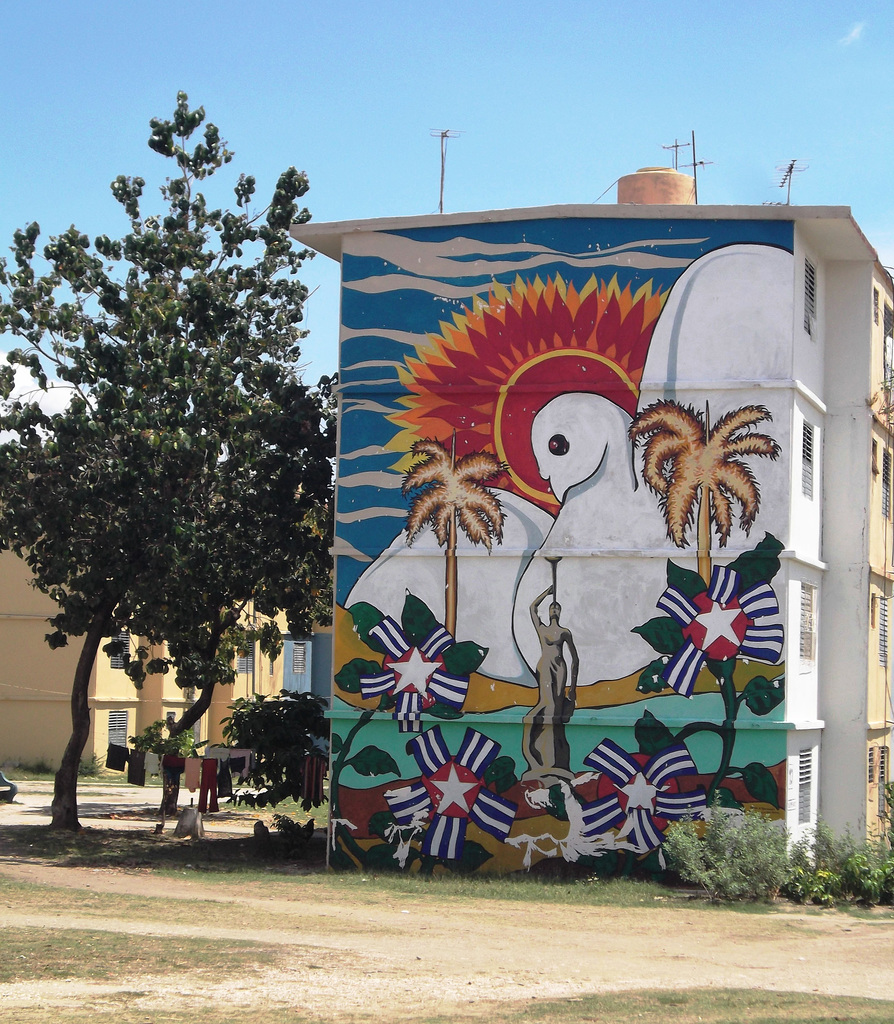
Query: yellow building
(879, 713)
(35, 683)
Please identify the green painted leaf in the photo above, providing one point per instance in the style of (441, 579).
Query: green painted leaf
(557, 803)
(500, 774)
(759, 565)
(762, 695)
(760, 783)
(381, 822)
(474, 855)
(604, 866)
(365, 617)
(348, 676)
(685, 579)
(443, 711)
(372, 761)
(335, 743)
(662, 633)
(417, 619)
(464, 658)
(651, 734)
(725, 798)
(650, 680)
(339, 860)
(721, 669)
(380, 858)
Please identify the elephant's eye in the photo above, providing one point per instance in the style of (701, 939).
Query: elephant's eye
(558, 444)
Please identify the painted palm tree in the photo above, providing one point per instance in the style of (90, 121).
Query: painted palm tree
(686, 460)
(450, 491)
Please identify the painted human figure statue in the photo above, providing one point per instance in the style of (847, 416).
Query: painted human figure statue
(545, 745)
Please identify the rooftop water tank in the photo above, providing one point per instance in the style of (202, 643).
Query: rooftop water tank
(651, 186)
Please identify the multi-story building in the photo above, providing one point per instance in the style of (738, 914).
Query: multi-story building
(613, 527)
(35, 683)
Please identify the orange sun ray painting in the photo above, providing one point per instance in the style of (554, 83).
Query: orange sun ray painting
(484, 377)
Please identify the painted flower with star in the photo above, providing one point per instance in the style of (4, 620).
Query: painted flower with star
(451, 793)
(723, 622)
(415, 675)
(638, 795)
(423, 668)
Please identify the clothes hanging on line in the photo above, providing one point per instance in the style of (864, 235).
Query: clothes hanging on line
(136, 768)
(312, 784)
(172, 769)
(224, 779)
(208, 787)
(192, 773)
(116, 757)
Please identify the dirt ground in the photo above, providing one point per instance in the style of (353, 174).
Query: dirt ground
(393, 958)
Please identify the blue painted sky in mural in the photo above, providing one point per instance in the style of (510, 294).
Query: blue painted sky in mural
(554, 104)
(387, 307)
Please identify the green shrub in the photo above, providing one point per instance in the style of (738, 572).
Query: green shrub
(90, 768)
(747, 860)
(296, 836)
(38, 767)
(828, 868)
(154, 740)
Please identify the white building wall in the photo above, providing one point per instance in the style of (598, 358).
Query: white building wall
(844, 608)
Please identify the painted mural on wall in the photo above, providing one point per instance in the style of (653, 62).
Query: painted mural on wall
(557, 628)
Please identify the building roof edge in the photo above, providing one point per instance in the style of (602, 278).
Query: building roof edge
(326, 237)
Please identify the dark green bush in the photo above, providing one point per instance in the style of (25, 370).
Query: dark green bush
(827, 869)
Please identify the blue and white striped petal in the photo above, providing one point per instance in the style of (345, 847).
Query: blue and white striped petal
(759, 601)
(763, 643)
(682, 670)
(445, 837)
(667, 764)
(409, 801)
(477, 752)
(437, 641)
(430, 751)
(678, 606)
(724, 585)
(676, 806)
(642, 834)
(408, 712)
(448, 689)
(601, 815)
(391, 637)
(376, 686)
(614, 761)
(493, 813)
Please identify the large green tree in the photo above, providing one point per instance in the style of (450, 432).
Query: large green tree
(188, 478)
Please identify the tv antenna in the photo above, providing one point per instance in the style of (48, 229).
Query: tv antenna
(787, 172)
(443, 134)
(695, 166)
(676, 147)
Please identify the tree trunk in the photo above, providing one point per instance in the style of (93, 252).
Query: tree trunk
(704, 534)
(65, 791)
(192, 714)
(226, 621)
(704, 515)
(450, 583)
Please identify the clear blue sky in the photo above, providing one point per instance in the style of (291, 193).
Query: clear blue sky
(555, 101)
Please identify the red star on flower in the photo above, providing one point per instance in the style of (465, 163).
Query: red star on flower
(718, 629)
(453, 789)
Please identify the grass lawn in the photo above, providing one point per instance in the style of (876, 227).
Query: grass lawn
(258, 895)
